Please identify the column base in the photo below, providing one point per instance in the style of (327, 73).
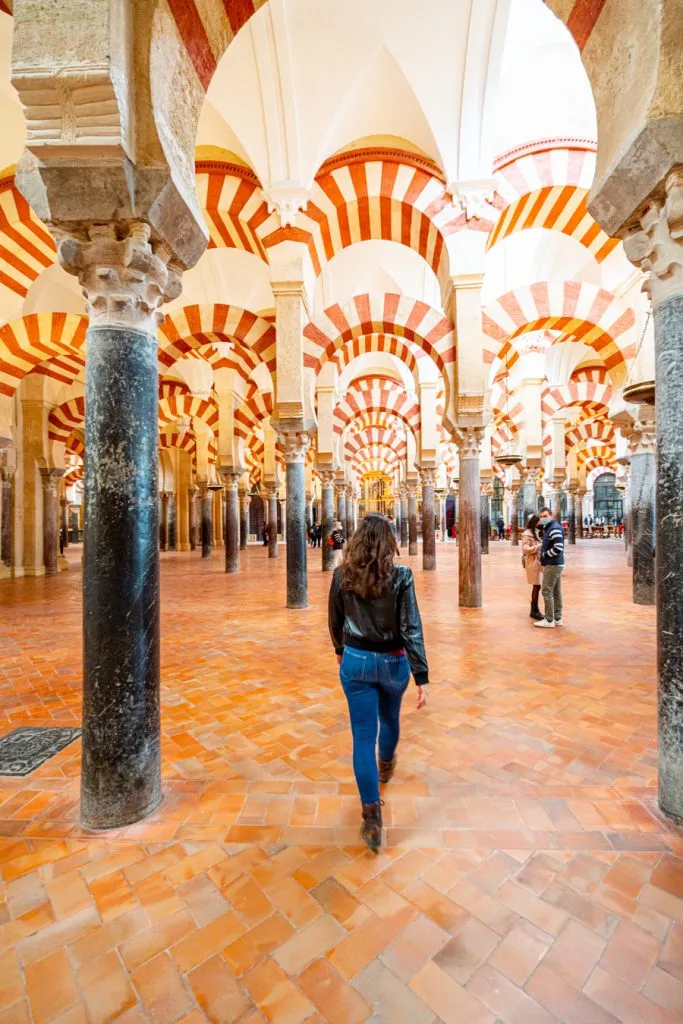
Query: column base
(412, 549)
(5, 572)
(62, 563)
(33, 570)
(95, 826)
(185, 547)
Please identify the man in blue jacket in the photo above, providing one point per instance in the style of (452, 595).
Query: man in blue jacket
(552, 561)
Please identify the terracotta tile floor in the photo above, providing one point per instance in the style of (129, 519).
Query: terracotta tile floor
(527, 876)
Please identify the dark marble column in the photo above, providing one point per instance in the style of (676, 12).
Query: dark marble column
(442, 514)
(245, 502)
(643, 481)
(340, 495)
(530, 479)
(556, 503)
(485, 517)
(206, 526)
(350, 524)
(405, 524)
(121, 777)
(64, 521)
(469, 556)
(295, 447)
(272, 523)
(512, 516)
(50, 520)
(327, 481)
(428, 476)
(283, 519)
(668, 318)
(172, 522)
(232, 521)
(163, 520)
(6, 537)
(571, 515)
(578, 513)
(412, 520)
(192, 499)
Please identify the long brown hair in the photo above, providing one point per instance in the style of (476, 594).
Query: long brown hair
(369, 562)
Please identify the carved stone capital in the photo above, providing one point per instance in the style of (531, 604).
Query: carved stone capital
(531, 474)
(412, 491)
(295, 445)
(50, 479)
(327, 477)
(271, 493)
(468, 441)
(124, 277)
(428, 476)
(402, 492)
(230, 478)
(245, 501)
(642, 437)
(656, 245)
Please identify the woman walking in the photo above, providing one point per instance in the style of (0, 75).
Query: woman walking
(376, 631)
(531, 553)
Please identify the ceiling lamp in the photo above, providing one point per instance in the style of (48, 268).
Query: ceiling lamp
(509, 455)
(641, 392)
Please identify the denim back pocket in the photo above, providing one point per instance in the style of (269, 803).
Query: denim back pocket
(353, 664)
(395, 671)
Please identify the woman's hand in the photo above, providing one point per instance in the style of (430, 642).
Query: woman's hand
(422, 692)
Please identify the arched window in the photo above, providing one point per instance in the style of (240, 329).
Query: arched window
(607, 503)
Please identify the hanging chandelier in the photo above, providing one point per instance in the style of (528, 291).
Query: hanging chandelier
(641, 392)
(510, 454)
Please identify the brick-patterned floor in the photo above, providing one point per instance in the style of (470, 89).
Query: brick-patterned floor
(527, 877)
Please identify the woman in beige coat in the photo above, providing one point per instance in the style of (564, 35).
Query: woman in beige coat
(531, 553)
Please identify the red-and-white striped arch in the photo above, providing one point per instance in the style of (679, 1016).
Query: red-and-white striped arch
(36, 339)
(194, 326)
(386, 344)
(66, 418)
(179, 407)
(370, 394)
(592, 395)
(589, 430)
(579, 311)
(26, 247)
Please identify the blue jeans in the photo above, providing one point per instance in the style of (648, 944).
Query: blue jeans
(374, 685)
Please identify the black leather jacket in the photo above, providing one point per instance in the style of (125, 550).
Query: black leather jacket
(388, 623)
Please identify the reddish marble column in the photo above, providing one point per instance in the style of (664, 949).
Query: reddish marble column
(232, 522)
(272, 523)
(428, 476)
(50, 520)
(412, 520)
(469, 441)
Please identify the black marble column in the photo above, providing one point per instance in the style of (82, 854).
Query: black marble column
(428, 521)
(350, 524)
(668, 319)
(412, 521)
(232, 526)
(442, 513)
(163, 521)
(578, 514)
(530, 494)
(405, 524)
(64, 522)
(340, 494)
(245, 502)
(172, 522)
(121, 766)
(571, 515)
(206, 526)
(192, 516)
(469, 554)
(297, 575)
(514, 522)
(272, 524)
(643, 478)
(50, 522)
(327, 521)
(485, 520)
(6, 537)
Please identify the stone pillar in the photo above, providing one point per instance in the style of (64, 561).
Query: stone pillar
(295, 446)
(172, 524)
(643, 478)
(530, 477)
(64, 521)
(412, 520)
(405, 525)
(192, 494)
(511, 496)
(578, 513)
(350, 524)
(283, 519)
(163, 521)
(206, 525)
(272, 523)
(50, 480)
(125, 278)
(340, 503)
(571, 513)
(658, 249)
(7, 520)
(556, 503)
(428, 476)
(232, 521)
(245, 502)
(442, 513)
(218, 517)
(327, 482)
(469, 442)
(486, 492)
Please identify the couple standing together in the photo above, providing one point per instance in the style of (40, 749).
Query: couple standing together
(543, 558)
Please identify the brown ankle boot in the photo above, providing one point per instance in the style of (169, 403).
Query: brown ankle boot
(386, 770)
(371, 829)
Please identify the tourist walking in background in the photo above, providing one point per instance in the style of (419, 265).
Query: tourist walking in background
(336, 542)
(500, 526)
(552, 562)
(376, 631)
(264, 534)
(531, 561)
